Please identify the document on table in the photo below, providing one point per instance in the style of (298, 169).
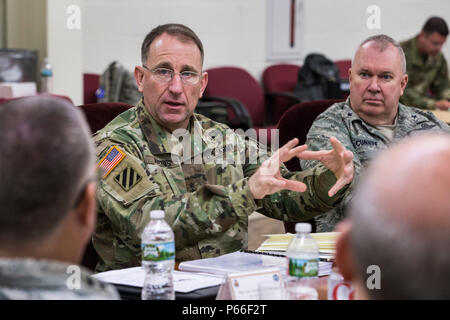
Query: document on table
(241, 262)
(183, 282)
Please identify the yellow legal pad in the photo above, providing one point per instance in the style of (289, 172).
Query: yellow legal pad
(280, 242)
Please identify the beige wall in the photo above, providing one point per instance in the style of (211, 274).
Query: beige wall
(234, 31)
(42, 25)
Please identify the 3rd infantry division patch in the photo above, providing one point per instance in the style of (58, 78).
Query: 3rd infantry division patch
(128, 178)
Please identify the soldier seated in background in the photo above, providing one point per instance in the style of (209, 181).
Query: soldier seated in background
(428, 85)
(48, 206)
(208, 190)
(371, 118)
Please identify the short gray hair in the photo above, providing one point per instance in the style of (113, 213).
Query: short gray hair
(383, 41)
(409, 248)
(46, 160)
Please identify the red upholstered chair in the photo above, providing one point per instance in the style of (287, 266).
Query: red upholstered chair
(295, 123)
(91, 82)
(99, 115)
(279, 81)
(343, 66)
(237, 83)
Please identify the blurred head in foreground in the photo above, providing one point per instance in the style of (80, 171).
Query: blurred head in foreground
(395, 243)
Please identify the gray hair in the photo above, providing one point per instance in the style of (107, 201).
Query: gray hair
(410, 251)
(183, 33)
(383, 41)
(46, 160)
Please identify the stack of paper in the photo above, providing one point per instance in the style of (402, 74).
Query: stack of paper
(243, 261)
(279, 242)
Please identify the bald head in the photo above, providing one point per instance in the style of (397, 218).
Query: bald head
(400, 222)
(413, 179)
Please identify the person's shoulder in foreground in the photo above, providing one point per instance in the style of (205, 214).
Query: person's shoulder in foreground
(48, 201)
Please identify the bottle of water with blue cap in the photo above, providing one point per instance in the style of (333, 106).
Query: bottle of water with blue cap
(158, 258)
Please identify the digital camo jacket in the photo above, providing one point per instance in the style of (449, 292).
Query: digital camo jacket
(29, 279)
(364, 140)
(201, 184)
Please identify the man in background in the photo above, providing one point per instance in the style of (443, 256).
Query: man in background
(371, 118)
(395, 243)
(48, 205)
(428, 85)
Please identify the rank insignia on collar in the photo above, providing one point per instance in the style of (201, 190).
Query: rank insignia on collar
(128, 178)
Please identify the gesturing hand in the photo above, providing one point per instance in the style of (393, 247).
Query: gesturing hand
(338, 160)
(267, 179)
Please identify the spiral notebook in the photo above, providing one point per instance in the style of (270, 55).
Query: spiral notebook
(242, 261)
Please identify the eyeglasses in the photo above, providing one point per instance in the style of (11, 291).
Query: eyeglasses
(164, 75)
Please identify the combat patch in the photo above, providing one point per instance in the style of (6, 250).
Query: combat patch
(112, 158)
(128, 178)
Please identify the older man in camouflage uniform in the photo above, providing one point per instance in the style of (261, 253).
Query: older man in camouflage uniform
(210, 183)
(428, 84)
(372, 117)
(48, 201)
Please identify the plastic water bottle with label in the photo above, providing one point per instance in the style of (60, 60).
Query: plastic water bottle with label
(338, 288)
(158, 258)
(46, 77)
(303, 263)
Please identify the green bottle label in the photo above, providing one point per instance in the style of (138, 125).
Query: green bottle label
(158, 251)
(303, 267)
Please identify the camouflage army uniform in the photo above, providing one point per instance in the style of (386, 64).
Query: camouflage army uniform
(29, 279)
(364, 140)
(206, 203)
(428, 79)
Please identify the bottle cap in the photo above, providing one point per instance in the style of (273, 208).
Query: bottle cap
(157, 214)
(302, 227)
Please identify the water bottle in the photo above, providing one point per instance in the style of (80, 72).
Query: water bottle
(303, 265)
(338, 288)
(303, 253)
(158, 258)
(46, 77)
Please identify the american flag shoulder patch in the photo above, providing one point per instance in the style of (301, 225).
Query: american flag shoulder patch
(110, 160)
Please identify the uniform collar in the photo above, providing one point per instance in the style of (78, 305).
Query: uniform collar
(161, 141)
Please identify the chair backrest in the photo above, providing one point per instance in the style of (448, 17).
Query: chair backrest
(295, 123)
(237, 83)
(280, 78)
(343, 66)
(91, 82)
(99, 115)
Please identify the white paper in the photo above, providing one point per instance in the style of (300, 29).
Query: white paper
(247, 285)
(183, 281)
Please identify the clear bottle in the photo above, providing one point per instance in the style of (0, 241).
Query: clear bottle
(302, 265)
(158, 258)
(338, 288)
(303, 253)
(46, 77)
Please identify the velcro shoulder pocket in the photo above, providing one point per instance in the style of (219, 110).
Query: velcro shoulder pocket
(129, 182)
